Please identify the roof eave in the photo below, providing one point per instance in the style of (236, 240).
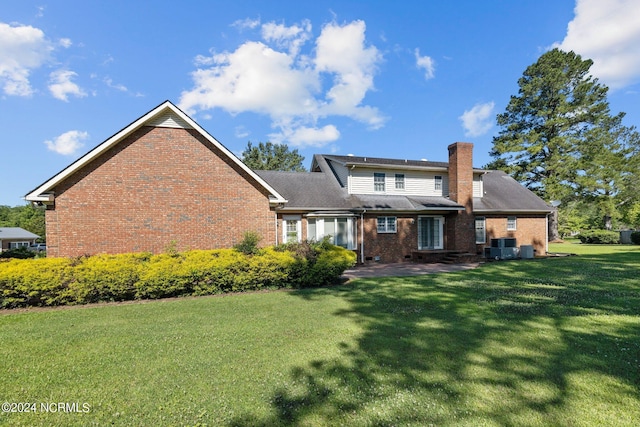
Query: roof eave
(512, 211)
(40, 192)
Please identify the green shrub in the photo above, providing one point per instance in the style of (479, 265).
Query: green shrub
(635, 237)
(105, 277)
(88, 279)
(37, 282)
(317, 263)
(18, 253)
(249, 243)
(600, 237)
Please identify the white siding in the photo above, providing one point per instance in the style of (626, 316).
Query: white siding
(478, 185)
(416, 183)
(169, 120)
(341, 171)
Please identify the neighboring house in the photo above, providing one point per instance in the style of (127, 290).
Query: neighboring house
(16, 237)
(163, 180)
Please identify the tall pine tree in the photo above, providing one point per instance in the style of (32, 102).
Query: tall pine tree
(558, 130)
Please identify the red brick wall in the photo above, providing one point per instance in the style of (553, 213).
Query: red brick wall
(530, 230)
(390, 247)
(157, 187)
(462, 228)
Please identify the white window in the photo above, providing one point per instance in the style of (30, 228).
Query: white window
(378, 182)
(512, 223)
(16, 245)
(399, 181)
(430, 232)
(341, 229)
(291, 229)
(386, 224)
(437, 183)
(481, 230)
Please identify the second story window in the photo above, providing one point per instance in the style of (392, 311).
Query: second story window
(378, 182)
(399, 181)
(437, 183)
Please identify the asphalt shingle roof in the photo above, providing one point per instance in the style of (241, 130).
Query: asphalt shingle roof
(322, 191)
(16, 233)
(505, 194)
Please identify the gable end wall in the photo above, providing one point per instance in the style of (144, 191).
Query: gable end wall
(156, 188)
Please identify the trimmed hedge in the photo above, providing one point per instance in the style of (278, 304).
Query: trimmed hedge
(62, 281)
(600, 237)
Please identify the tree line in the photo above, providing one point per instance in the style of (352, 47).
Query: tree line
(27, 217)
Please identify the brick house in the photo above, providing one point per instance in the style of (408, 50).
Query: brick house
(163, 180)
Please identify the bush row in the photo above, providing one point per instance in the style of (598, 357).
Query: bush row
(635, 237)
(62, 281)
(602, 237)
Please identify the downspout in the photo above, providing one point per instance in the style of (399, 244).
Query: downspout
(362, 236)
(546, 232)
(276, 226)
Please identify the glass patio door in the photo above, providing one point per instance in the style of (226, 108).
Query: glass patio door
(430, 232)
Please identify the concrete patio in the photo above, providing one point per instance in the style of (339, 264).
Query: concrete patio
(405, 269)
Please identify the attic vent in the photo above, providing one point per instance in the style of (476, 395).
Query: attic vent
(168, 120)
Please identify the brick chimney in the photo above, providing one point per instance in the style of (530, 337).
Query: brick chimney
(462, 228)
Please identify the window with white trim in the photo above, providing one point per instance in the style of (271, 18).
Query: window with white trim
(387, 224)
(399, 181)
(512, 223)
(437, 183)
(342, 230)
(16, 245)
(481, 230)
(378, 182)
(291, 226)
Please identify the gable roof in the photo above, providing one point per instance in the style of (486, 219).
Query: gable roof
(16, 233)
(164, 115)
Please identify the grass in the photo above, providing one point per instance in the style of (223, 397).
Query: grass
(538, 342)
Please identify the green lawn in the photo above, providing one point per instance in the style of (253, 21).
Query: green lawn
(538, 342)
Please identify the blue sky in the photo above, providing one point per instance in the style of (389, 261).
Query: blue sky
(397, 79)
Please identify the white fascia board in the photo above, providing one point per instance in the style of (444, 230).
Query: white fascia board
(43, 192)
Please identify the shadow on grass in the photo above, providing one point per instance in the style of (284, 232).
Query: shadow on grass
(522, 342)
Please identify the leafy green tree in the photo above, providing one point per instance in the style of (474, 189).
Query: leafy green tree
(557, 131)
(608, 174)
(27, 217)
(269, 156)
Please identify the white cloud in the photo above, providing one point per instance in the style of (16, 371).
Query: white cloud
(246, 23)
(241, 132)
(427, 63)
(117, 86)
(291, 38)
(22, 49)
(68, 143)
(274, 78)
(302, 136)
(61, 85)
(341, 51)
(608, 33)
(478, 120)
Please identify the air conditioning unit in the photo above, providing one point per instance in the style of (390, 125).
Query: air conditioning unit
(502, 248)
